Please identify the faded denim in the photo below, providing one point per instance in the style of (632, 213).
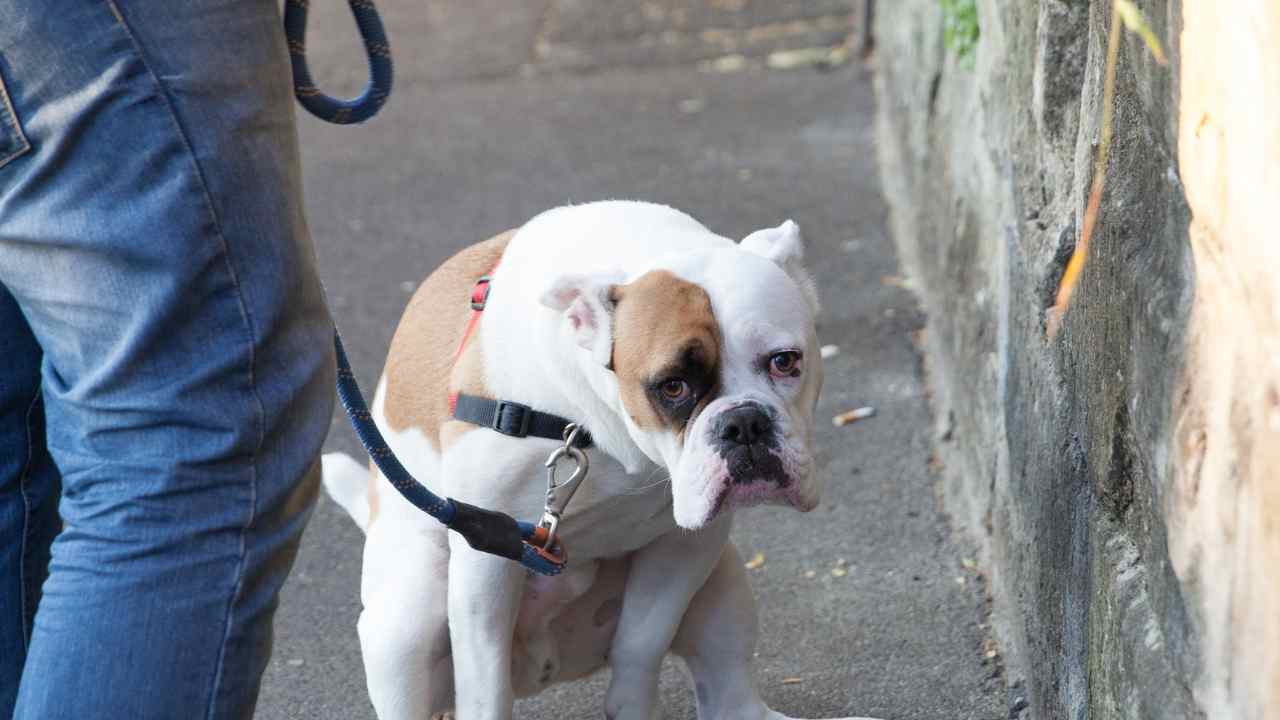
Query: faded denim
(165, 355)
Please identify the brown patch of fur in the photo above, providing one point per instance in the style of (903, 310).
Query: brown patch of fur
(467, 377)
(420, 370)
(658, 317)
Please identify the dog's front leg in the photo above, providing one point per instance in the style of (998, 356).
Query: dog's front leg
(484, 596)
(664, 576)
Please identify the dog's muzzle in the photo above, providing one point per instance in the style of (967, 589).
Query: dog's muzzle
(746, 438)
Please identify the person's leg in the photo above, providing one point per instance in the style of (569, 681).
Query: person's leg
(153, 237)
(28, 495)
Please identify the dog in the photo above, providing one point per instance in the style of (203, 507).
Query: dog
(693, 362)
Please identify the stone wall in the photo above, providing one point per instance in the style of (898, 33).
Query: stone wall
(1123, 478)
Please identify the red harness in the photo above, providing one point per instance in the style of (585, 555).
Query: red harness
(503, 416)
(479, 297)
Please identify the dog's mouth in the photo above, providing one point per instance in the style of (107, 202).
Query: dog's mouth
(767, 467)
(754, 476)
(751, 464)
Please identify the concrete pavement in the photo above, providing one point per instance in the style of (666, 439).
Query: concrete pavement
(866, 605)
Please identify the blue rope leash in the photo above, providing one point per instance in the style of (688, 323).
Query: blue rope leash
(484, 530)
(376, 47)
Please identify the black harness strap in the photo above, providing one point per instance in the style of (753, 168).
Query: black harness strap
(514, 419)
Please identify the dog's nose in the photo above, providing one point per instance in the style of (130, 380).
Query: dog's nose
(744, 425)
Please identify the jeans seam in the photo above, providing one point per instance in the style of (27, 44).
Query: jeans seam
(26, 521)
(250, 327)
(12, 120)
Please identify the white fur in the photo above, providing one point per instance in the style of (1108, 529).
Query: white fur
(785, 247)
(346, 481)
(584, 301)
(445, 626)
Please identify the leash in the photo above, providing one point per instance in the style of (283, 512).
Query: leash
(534, 546)
(376, 48)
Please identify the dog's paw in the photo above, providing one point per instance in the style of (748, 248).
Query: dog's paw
(443, 716)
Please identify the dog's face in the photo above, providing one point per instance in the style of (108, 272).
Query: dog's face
(717, 370)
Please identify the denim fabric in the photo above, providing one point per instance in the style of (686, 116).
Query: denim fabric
(28, 494)
(156, 268)
(12, 142)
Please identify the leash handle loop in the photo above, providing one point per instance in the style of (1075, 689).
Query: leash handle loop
(376, 47)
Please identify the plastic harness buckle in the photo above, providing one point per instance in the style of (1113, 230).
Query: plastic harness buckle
(480, 293)
(512, 418)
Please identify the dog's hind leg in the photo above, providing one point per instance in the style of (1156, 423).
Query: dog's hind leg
(404, 628)
(717, 640)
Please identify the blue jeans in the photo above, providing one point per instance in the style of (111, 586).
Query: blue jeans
(166, 366)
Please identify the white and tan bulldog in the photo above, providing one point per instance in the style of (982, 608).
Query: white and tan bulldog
(693, 362)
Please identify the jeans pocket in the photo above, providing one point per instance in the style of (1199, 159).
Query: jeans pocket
(12, 142)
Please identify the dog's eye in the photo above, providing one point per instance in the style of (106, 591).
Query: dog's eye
(675, 390)
(785, 364)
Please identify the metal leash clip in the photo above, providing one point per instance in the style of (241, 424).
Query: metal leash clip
(559, 494)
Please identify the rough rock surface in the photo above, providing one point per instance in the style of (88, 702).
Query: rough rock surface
(1120, 477)
(1060, 454)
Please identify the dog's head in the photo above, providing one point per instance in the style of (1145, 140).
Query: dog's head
(717, 368)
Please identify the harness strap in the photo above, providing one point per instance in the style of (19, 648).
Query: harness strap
(512, 418)
(479, 297)
(504, 416)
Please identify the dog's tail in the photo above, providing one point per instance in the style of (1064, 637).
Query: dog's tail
(346, 481)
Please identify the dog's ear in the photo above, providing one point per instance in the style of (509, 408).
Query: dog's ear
(586, 303)
(784, 246)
